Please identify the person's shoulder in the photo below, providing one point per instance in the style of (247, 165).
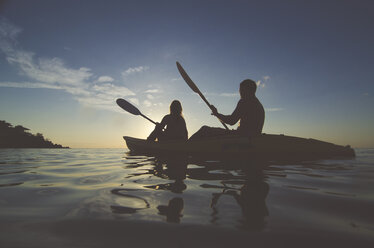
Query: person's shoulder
(242, 102)
(166, 117)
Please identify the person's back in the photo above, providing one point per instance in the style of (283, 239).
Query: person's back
(174, 124)
(252, 116)
(175, 127)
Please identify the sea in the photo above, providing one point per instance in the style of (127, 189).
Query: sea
(111, 198)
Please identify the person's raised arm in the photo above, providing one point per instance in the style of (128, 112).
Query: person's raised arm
(228, 119)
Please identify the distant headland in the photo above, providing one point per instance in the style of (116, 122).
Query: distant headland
(18, 137)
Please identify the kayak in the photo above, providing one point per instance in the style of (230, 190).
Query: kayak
(268, 146)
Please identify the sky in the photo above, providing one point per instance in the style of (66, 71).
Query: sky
(64, 63)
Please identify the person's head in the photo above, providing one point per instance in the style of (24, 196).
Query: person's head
(176, 108)
(247, 88)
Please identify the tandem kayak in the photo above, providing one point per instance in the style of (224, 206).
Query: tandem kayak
(267, 146)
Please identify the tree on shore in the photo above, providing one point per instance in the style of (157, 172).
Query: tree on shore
(18, 137)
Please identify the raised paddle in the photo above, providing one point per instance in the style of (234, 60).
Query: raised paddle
(131, 108)
(195, 89)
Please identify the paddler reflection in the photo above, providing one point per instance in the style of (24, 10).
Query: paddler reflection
(173, 211)
(250, 198)
(172, 168)
(175, 169)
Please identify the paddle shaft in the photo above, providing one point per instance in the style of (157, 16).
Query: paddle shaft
(194, 87)
(211, 108)
(148, 118)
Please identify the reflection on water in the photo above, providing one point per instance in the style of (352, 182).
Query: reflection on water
(175, 169)
(127, 210)
(244, 182)
(255, 196)
(173, 211)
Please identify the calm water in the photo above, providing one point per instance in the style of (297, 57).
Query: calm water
(88, 197)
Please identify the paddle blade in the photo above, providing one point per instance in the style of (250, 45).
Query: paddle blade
(187, 78)
(128, 106)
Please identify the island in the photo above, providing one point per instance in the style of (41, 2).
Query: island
(19, 137)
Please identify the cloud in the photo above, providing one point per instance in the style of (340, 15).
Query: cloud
(273, 109)
(266, 78)
(260, 84)
(134, 101)
(153, 91)
(30, 85)
(111, 90)
(134, 70)
(150, 97)
(147, 103)
(230, 94)
(227, 94)
(53, 73)
(8, 35)
(104, 79)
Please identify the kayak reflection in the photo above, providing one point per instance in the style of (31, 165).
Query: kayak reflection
(172, 168)
(227, 185)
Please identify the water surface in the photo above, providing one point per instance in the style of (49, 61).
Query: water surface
(91, 197)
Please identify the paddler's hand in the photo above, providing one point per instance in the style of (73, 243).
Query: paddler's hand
(214, 110)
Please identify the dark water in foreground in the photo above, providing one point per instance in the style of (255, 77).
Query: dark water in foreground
(105, 197)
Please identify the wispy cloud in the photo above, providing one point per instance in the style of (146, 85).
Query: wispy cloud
(134, 101)
(230, 94)
(226, 94)
(150, 97)
(273, 109)
(176, 79)
(104, 79)
(53, 73)
(30, 85)
(8, 35)
(262, 83)
(266, 78)
(134, 70)
(147, 103)
(153, 91)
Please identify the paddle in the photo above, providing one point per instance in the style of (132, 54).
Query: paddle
(195, 89)
(131, 108)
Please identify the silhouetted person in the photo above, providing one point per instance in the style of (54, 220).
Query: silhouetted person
(175, 125)
(249, 112)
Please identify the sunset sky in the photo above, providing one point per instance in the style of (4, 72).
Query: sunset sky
(64, 63)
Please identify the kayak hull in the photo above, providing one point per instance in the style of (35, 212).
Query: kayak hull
(268, 146)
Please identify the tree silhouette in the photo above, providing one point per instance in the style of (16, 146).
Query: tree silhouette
(18, 137)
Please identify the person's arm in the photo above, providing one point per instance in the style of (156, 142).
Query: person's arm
(158, 129)
(229, 119)
(163, 123)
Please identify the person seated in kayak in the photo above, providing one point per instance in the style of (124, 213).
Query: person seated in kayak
(249, 112)
(175, 125)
